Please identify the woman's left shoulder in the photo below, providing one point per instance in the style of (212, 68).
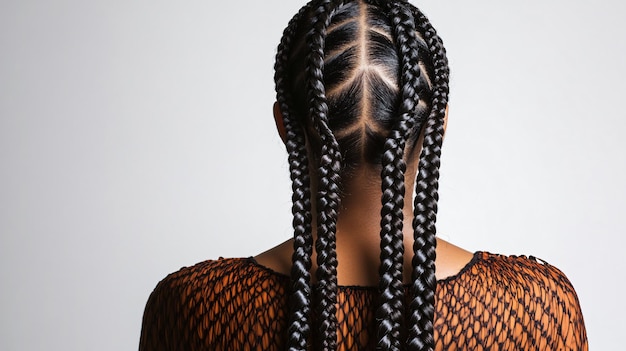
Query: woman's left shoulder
(185, 298)
(527, 275)
(544, 292)
(526, 270)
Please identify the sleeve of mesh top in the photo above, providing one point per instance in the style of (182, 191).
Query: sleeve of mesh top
(545, 311)
(159, 314)
(564, 302)
(224, 304)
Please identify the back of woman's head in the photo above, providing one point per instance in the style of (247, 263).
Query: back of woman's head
(360, 73)
(357, 83)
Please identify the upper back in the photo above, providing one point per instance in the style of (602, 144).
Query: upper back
(494, 302)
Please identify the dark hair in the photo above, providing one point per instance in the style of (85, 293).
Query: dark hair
(358, 82)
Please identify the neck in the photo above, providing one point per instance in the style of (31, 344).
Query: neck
(358, 227)
(358, 236)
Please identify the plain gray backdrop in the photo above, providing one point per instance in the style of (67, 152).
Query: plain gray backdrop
(137, 137)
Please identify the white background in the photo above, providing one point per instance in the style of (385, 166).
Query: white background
(136, 137)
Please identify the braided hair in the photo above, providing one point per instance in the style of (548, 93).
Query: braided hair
(358, 82)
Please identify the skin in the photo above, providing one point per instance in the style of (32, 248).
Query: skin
(358, 231)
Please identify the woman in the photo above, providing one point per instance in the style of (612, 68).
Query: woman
(362, 92)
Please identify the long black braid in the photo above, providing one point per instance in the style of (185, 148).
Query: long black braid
(328, 179)
(425, 205)
(390, 311)
(348, 116)
(300, 299)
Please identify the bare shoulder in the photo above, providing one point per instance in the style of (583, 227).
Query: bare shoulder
(451, 259)
(278, 258)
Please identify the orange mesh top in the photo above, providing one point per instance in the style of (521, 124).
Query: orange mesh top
(495, 303)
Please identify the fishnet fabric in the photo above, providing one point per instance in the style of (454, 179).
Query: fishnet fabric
(495, 303)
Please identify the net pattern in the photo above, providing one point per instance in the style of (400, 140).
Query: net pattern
(495, 303)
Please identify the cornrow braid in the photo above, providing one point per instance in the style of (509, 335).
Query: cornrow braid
(328, 179)
(299, 328)
(420, 335)
(390, 311)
